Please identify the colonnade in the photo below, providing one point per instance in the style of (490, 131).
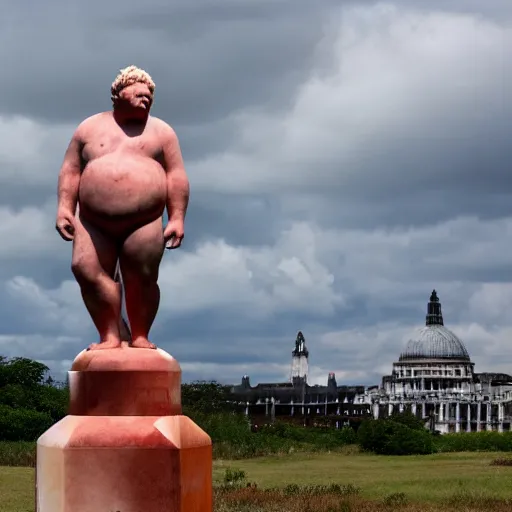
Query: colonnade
(454, 416)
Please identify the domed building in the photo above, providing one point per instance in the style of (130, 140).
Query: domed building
(434, 378)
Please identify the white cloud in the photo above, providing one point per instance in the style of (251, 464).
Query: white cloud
(60, 309)
(34, 346)
(258, 281)
(30, 152)
(314, 270)
(28, 233)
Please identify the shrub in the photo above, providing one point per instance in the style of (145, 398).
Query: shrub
(406, 441)
(409, 420)
(502, 462)
(22, 424)
(234, 477)
(388, 437)
(17, 453)
(486, 441)
(397, 499)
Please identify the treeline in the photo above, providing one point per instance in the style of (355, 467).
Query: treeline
(405, 434)
(209, 405)
(30, 402)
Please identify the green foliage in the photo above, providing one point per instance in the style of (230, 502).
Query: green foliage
(29, 403)
(21, 371)
(17, 453)
(234, 477)
(319, 438)
(206, 397)
(397, 499)
(41, 398)
(409, 420)
(406, 441)
(209, 405)
(22, 424)
(391, 437)
(372, 434)
(485, 441)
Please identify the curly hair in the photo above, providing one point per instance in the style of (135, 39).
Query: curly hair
(129, 76)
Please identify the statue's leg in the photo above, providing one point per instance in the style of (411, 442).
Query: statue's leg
(93, 264)
(140, 259)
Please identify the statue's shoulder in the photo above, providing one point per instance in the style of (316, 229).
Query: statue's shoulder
(159, 123)
(163, 128)
(93, 121)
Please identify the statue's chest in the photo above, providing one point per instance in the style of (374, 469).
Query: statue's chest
(105, 144)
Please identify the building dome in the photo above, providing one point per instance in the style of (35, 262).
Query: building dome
(434, 341)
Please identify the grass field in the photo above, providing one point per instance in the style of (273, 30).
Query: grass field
(424, 478)
(431, 480)
(16, 489)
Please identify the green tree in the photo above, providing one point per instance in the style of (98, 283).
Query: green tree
(29, 401)
(22, 371)
(408, 419)
(390, 437)
(207, 397)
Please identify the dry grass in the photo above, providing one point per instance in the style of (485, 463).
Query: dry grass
(502, 461)
(423, 478)
(18, 453)
(254, 500)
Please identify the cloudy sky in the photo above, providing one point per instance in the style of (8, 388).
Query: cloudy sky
(345, 158)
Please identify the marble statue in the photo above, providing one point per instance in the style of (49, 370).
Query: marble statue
(121, 170)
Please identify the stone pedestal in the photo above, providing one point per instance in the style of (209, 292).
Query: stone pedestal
(125, 447)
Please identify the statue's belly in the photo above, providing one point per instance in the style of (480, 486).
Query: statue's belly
(123, 186)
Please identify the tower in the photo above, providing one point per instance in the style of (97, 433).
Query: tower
(300, 359)
(434, 315)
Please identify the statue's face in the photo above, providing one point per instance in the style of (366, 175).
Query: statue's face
(137, 96)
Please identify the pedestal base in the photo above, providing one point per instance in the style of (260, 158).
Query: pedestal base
(124, 464)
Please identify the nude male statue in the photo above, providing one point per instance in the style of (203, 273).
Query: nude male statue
(121, 170)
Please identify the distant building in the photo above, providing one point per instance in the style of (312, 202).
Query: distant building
(433, 378)
(298, 402)
(300, 359)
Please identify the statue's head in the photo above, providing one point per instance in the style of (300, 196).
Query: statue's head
(133, 90)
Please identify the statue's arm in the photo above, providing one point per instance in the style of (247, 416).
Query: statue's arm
(69, 176)
(178, 188)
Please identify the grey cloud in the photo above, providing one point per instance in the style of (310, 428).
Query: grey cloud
(441, 149)
(212, 66)
(226, 62)
(498, 10)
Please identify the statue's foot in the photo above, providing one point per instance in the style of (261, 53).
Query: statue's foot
(103, 345)
(142, 343)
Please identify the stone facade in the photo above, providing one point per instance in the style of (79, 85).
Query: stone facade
(433, 378)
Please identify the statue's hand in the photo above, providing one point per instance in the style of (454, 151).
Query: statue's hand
(65, 225)
(174, 233)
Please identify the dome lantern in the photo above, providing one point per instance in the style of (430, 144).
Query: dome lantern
(434, 341)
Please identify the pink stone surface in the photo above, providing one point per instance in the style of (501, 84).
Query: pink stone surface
(125, 382)
(124, 464)
(125, 447)
(125, 359)
(121, 171)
